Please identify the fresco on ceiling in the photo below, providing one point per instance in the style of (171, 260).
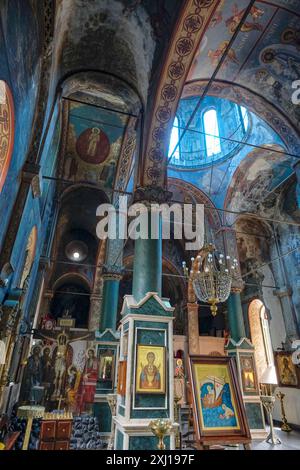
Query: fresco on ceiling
(265, 55)
(252, 239)
(256, 177)
(215, 179)
(93, 145)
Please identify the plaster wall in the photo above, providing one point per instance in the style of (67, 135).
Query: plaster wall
(278, 335)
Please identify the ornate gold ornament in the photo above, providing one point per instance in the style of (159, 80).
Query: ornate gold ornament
(211, 275)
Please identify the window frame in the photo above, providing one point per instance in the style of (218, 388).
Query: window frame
(210, 108)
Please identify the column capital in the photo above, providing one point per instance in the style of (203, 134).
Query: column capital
(152, 194)
(237, 289)
(283, 292)
(114, 273)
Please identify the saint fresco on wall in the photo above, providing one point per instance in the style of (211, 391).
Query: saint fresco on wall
(93, 145)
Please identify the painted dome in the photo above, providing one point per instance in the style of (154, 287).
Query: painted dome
(216, 132)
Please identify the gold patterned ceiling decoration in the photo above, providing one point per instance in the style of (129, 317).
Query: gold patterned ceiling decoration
(6, 130)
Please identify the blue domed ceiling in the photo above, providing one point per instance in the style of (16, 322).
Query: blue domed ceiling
(240, 150)
(216, 133)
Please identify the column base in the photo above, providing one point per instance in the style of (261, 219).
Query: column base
(136, 435)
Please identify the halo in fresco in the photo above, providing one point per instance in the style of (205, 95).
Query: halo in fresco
(93, 145)
(6, 130)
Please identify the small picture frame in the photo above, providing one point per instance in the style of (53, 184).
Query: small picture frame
(106, 371)
(121, 384)
(150, 369)
(288, 374)
(248, 374)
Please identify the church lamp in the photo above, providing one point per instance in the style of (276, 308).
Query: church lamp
(211, 275)
(268, 384)
(76, 250)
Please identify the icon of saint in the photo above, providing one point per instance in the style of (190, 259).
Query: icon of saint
(88, 384)
(150, 375)
(93, 141)
(288, 376)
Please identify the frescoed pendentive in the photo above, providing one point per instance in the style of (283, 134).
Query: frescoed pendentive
(93, 144)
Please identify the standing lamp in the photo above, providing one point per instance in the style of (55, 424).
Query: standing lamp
(268, 385)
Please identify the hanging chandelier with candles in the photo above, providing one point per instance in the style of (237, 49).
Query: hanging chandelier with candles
(211, 274)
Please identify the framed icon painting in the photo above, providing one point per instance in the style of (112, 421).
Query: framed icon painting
(150, 369)
(121, 384)
(219, 413)
(248, 373)
(287, 372)
(106, 372)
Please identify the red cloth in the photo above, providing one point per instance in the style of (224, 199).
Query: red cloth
(87, 387)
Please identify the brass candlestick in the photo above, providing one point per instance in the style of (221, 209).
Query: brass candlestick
(176, 416)
(30, 413)
(178, 394)
(160, 427)
(285, 426)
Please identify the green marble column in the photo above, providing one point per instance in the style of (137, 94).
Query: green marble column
(109, 309)
(235, 316)
(147, 269)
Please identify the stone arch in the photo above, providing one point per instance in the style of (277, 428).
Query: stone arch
(260, 336)
(71, 293)
(192, 23)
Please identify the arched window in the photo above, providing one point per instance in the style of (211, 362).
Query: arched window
(212, 135)
(245, 118)
(260, 336)
(174, 140)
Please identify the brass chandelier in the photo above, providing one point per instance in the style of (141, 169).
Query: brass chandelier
(211, 275)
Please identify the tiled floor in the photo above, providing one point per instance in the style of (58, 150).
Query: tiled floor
(289, 441)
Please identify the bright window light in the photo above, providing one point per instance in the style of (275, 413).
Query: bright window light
(245, 117)
(174, 140)
(211, 129)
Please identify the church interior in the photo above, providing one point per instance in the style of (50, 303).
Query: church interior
(191, 107)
